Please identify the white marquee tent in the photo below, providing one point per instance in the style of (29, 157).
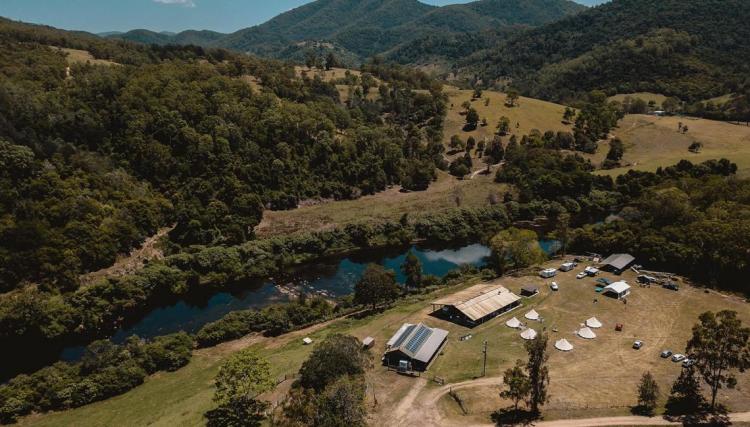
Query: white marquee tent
(532, 315)
(593, 323)
(586, 333)
(563, 345)
(513, 323)
(528, 334)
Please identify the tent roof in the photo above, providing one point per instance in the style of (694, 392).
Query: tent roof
(617, 287)
(619, 261)
(513, 323)
(479, 301)
(586, 333)
(593, 323)
(528, 334)
(532, 315)
(563, 345)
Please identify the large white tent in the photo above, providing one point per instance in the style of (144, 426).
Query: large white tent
(513, 323)
(586, 333)
(563, 345)
(532, 315)
(593, 323)
(528, 334)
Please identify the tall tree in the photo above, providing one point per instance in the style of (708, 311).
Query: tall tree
(376, 286)
(568, 115)
(503, 126)
(537, 371)
(517, 383)
(243, 377)
(516, 248)
(412, 269)
(648, 393)
(472, 119)
(511, 97)
(720, 345)
(336, 356)
(685, 396)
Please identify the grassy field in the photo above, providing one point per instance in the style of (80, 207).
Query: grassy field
(652, 141)
(389, 204)
(646, 96)
(527, 115)
(598, 377)
(76, 56)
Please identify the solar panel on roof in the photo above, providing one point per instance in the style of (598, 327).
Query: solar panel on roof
(403, 336)
(419, 338)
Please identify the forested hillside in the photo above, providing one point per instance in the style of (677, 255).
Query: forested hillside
(96, 158)
(692, 49)
(363, 28)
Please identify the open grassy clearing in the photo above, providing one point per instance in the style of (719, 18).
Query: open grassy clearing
(389, 204)
(528, 114)
(652, 141)
(646, 96)
(598, 378)
(76, 56)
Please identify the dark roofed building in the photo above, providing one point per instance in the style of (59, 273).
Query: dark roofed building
(529, 290)
(617, 263)
(413, 347)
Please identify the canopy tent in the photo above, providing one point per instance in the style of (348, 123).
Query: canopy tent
(528, 334)
(563, 345)
(618, 289)
(513, 323)
(593, 323)
(532, 315)
(586, 333)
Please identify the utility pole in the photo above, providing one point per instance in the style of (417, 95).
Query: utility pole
(484, 365)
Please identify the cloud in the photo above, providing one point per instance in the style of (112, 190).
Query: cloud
(185, 3)
(468, 255)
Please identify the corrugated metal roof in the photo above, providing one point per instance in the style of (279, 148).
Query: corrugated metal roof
(619, 261)
(479, 301)
(420, 342)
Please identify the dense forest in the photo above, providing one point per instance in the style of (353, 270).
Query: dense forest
(98, 157)
(693, 50)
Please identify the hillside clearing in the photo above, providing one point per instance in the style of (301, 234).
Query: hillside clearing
(386, 205)
(77, 56)
(657, 98)
(597, 378)
(651, 142)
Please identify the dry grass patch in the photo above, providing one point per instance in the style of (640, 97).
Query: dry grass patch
(76, 56)
(646, 96)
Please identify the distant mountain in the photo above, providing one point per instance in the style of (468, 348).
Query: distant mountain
(693, 49)
(361, 28)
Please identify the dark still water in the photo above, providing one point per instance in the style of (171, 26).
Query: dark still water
(332, 277)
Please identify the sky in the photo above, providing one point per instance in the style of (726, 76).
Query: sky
(159, 15)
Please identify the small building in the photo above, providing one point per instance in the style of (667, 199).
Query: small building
(617, 290)
(567, 266)
(529, 290)
(617, 263)
(414, 347)
(591, 271)
(476, 304)
(548, 272)
(368, 342)
(306, 341)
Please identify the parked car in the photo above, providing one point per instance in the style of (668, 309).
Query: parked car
(604, 281)
(678, 357)
(688, 363)
(638, 344)
(671, 286)
(581, 275)
(554, 286)
(666, 353)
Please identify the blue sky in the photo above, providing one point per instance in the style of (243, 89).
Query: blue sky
(159, 15)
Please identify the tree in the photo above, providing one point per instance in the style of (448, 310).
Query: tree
(616, 150)
(511, 97)
(466, 105)
(503, 126)
(331, 61)
(685, 396)
(537, 371)
(412, 269)
(376, 286)
(456, 143)
(342, 403)
(516, 248)
(568, 115)
(470, 143)
(684, 129)
(243, 377)
(495, 151)
(695, 147)
(477, 93)
(336, 356)
(648, 393)
(472, 119)
(670, 105)
(719, 345)
(518, 385)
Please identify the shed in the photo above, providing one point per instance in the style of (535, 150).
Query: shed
(306, 341)
(619, 290)
(368, 342)
(414, 347)
(529, 290)
(476, 304)
(617, 263)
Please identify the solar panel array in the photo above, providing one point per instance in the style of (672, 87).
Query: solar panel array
(403, 336)
(418, 339)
